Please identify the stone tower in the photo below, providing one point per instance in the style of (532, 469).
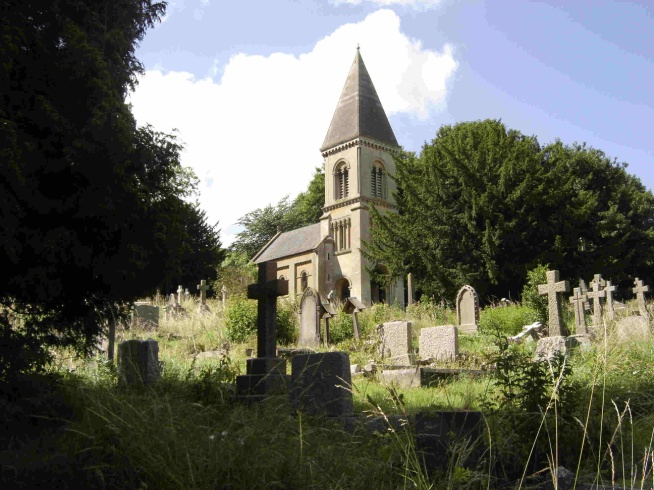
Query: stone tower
(358, 152)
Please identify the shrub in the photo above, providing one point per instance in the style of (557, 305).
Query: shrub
(530, 296)
(341, 327)
(506, 320)
(287, 329)
(241, 321)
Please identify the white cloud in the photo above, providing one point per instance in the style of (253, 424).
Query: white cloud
(253, 136)
(418, 4)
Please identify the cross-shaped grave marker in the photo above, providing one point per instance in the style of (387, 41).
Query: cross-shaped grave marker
(203, 287)
(640, 291)
(180, 291)
(577, 300)
(610, 311)
(266, 291)
(595, 295)
(552, 287)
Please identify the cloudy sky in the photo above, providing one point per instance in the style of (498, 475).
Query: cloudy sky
(251, 86)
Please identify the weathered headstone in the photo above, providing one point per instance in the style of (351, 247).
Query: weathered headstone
(309, 318)
(322, 384)
(584, 291)
(138, 362)
(548, 347)
(146, 315)
(640, 291)
(173, 308)
(439, 343)
(266, 373)
(223, 291)
(354, 306)
(578, 299)
(180, 292)
(554, 286)
(467, 310)
(203, 287)
(395, 343)
(610, 308)
(595, 294)
(633, 328)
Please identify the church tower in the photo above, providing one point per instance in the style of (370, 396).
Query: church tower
(358, 152)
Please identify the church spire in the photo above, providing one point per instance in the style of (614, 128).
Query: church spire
(359, 111)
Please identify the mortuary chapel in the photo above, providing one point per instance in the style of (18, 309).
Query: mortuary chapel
(358, 156)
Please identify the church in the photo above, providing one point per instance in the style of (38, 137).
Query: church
(358, 155)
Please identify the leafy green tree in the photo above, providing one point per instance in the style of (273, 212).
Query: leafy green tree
(262, 224)
(483, 205)
(92, 214)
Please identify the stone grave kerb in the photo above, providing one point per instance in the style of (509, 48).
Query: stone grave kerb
(551, 289)
(577, 300)
(595, 294)
(640, 291)
(610, 289)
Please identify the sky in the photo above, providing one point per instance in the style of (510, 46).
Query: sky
(250, 87)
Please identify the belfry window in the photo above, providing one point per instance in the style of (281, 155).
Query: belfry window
(341, 182)
(340, 231)
(377, 181)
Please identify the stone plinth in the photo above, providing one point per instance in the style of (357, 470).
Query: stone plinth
(395, 345)
(547, 347)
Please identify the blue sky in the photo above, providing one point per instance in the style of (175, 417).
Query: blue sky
(251, 86)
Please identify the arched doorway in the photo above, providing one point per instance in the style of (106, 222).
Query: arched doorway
(342, 289)
(378, 290)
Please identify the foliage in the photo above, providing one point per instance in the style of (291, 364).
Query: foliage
(262, 224)
(483, 205)
(508, 320)
(241, 321)
(341, 327)
(530, 296)
(235, 273)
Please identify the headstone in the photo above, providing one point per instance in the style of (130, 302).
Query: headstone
(322, 384)
(633, 328)
(138, 362)
(610, 306)
(180, 291)
(439, 343)
(595, 294)
(173, 308)
(266, 374)
(640, 291)
(310, 318)
(547, 347)
(584, 291)
(554, 286)
(203, 287)
(395, 345)
(354, 306)
(467, 310)
(146, 315)
(223, 291)
(578, 299)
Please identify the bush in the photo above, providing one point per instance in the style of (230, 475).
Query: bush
(506, 320)
(241, 321)
(341, 327)
(530, 296)
(287, 329)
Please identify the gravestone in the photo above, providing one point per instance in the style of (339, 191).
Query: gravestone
(633, 328)
(203, 287)
(610, 307)
(354, 306)
(266, 373)
(180, 292)
(554, 286)
(310, 318)
(223, 292)
(138, 362)
(529, 331)
(145, 315)
(547, 347)
(173, 308)
(410, 289)
(640, 291)
(395, 343)
(578, 299)
(439, 343)
(584, 291)
(467, 310)
(322, 384)
(595, 294)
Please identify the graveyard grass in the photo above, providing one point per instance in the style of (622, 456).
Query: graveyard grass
(186, 432)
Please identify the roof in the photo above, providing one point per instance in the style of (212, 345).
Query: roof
(290, 243)
(359, 111)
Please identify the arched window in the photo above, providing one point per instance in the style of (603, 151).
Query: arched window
(304, 281)
(341, 181)
(377, 180)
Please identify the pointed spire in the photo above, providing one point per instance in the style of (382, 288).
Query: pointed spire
(359, 111)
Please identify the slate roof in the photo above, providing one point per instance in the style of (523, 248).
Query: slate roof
(290, 243)
(359, 111)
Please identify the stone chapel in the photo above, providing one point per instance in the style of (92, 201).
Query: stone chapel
(358, 153)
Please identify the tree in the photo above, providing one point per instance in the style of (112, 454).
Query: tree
(483, 205)
(92, 214)
(262, 224)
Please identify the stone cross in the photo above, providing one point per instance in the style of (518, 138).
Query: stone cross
(171, 300)
(595, 295)
(180, 291)
(610, 312)
(552, 287)
(584, 291)
(223, 290)
(266, 291)
(203, 287)
(640, 291)
(577, 300)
